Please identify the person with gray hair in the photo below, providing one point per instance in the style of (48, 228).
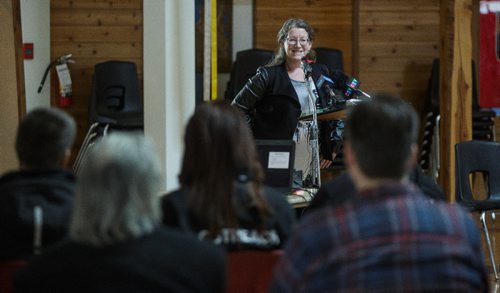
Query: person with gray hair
(117, 242)
(37, 199)
(388, 237)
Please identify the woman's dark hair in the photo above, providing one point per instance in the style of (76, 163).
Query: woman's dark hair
(280, 54)
(220, 167)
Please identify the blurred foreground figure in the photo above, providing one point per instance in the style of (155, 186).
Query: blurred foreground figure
(389, 237)
(117, 243)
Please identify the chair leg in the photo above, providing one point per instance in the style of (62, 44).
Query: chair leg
(487, 235)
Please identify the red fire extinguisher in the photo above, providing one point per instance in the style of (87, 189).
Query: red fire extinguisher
(64, 79)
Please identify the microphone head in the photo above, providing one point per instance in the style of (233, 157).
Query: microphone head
(324, 80)
(339, 79)
(351, 87)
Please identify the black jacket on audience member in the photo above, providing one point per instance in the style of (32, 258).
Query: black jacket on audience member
(176, 214)
(341, 188)
(164, 261)
(20, 192)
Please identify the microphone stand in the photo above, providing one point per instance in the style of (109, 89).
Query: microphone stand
(313, 132)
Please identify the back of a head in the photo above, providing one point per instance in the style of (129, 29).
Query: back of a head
(218, 144)
(219, 154)
(117, 191)
(43, 138)
(382, 133)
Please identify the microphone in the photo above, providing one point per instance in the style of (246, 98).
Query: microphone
(306, 66)
(340, 80)
(327, 85)
(353, 89)
(348, 86)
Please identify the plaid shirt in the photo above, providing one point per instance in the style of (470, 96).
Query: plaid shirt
(387, 239)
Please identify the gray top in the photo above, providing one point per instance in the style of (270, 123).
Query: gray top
(303, 94)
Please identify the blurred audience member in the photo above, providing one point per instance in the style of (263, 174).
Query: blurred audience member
(341, 188)
(116, 240)
(389, 237)
(222, 198)
(36, 200)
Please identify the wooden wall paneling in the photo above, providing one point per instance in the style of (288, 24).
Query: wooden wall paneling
(97, 4)
(455, 85)
(331, 20)
(94, 31)
(398, 41)
(9, 110)
(18, 45)
(396, 5)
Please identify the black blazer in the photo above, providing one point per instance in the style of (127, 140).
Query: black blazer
(270, 103)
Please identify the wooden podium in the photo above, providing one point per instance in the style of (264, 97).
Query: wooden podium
(337, 114)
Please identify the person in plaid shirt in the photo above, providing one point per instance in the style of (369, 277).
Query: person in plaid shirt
(388, 236)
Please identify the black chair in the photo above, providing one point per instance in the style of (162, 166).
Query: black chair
(483, 127)
(115, 97)
(245, 66)
(479, 157)
(115, 103)
(332, 58)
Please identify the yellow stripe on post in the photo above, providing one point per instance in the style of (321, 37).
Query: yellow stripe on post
(213, 15)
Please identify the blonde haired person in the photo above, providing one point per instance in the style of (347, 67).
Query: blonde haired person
(117, 243)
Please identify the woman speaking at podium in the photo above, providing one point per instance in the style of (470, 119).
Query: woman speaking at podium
(277, 95)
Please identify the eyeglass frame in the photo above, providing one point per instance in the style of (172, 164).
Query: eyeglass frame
(294, 42)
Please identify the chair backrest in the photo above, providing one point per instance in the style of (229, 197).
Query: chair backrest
(472, 157)
(332, 58)
(433, 88)
(245, 66)
(250, 270)
(7, 270)
(115, 96)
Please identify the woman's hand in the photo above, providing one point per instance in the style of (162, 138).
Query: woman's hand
(324, 163)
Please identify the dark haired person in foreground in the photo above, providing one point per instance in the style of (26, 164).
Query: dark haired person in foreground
(389, 237)
(222, 198)
(341, 188)
(36, 201)
(117, 242)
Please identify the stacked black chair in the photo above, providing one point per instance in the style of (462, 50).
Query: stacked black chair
(483, 126)
(479, 158)
(245, 66)
(115, 103)
(115, 97)
(332, 58)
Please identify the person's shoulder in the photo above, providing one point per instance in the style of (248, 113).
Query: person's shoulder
(321, 221)
(50, 261)
(274, 198)
(45, 176)
(272, 69)
(174, 197)
(188, 243)
(334, 192)
(56, 184)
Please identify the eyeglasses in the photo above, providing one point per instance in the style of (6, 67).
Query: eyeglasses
(293, 42)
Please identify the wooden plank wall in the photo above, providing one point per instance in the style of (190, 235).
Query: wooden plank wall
(93, 31)
(331, 20)
(398, 41)
(9, 91)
